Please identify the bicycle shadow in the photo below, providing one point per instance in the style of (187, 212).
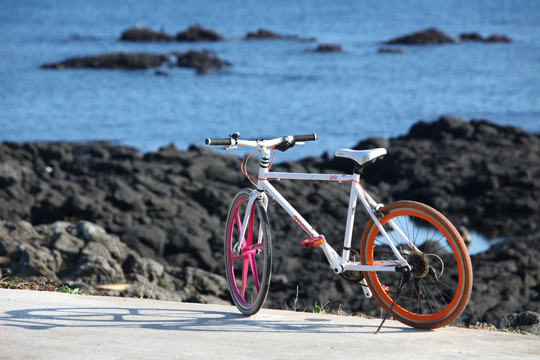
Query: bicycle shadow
(182, 320)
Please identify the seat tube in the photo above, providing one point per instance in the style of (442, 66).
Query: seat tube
(347, 239)
(263, 170)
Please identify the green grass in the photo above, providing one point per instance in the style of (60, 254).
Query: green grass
(66, 289)
(319, 309)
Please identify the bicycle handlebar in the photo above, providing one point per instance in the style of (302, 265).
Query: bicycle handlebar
(234, 140)
(310, 137)
(228, 141)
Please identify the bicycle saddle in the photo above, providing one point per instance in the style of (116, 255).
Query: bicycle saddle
(362, 157)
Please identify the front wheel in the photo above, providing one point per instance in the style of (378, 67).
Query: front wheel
(441, 280)
(248, 260)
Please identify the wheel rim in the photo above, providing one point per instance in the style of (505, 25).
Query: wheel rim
(242, 267)
(426, 298)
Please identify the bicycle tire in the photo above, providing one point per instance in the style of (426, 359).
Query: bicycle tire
(441, 281)
(249, 272)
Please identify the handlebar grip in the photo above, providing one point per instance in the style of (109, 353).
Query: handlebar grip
(310, 137)
(218, 141)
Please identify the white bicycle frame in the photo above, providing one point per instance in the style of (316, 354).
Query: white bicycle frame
(339, 263)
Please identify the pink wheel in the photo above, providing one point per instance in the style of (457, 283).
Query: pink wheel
(248, 263)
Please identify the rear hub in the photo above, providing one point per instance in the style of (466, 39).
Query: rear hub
(419, 264)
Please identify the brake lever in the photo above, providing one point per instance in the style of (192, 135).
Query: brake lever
(286, 144)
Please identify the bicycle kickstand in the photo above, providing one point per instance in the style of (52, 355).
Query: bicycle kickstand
(405, 277)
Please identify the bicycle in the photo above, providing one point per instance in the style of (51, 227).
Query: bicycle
(402, 241)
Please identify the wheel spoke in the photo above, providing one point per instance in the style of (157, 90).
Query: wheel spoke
(245, 269)
(253, 265)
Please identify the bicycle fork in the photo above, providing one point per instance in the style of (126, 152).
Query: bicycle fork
(255, 196)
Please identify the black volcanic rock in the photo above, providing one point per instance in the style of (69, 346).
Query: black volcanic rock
(471, 37)
(471, 171)
(267, 34)
(192, 34)
(93, 259)
(97, 213)
(122, 61)
(435, 36)
(143, 34)
(425, 37)
(84, 255)
(498, 39)
(327, 48)
(477, 37)
(506, 281)
(528, 321)
(198, 33)
(203, 61)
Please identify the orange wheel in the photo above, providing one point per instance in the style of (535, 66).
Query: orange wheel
(441, 280)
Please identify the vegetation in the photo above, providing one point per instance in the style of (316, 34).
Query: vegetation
(318, 309)
(66, 289)
(42, 284)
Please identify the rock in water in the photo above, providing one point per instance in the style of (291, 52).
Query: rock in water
(142, 34)
(120, 61)
(425, 37)
(198, 33)
(203, 61)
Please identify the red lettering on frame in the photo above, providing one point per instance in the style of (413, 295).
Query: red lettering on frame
(333, 177)
(302, 225)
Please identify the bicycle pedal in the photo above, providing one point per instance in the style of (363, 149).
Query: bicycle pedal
(313, 242)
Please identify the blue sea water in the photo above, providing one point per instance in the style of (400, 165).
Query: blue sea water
(274, 87)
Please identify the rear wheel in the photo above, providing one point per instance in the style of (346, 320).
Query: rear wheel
(441, 280)
(248, 264)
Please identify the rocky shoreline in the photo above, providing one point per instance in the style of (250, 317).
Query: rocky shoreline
(96, 214)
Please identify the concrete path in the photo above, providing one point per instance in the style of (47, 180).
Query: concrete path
(46, 325)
